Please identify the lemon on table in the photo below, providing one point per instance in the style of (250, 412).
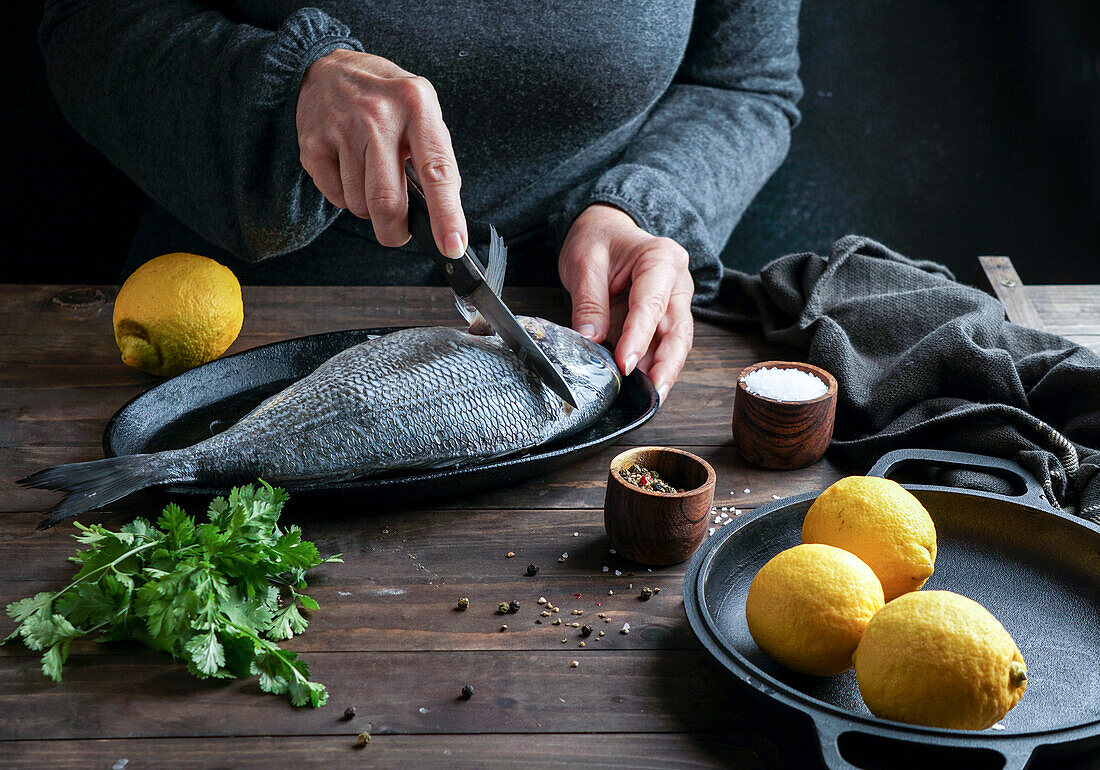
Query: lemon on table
(175, 312)
(808, 606)
(880, 522)
(938, 659)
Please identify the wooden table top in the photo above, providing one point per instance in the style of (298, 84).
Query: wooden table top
(387, 639)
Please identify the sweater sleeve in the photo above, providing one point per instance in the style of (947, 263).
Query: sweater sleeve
(715, 136)
(199, 111)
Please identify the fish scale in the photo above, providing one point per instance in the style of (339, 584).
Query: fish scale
(417, 398)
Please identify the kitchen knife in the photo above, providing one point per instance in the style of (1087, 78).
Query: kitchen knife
(466, 277)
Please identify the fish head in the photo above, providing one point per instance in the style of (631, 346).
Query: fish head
(587, 366)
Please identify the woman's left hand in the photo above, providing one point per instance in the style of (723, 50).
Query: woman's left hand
(631, 288)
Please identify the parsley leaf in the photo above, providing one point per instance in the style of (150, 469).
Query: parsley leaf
(217, 595)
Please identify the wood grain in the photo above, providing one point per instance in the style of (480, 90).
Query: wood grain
(141, 695)
(387, 638)
(578, 486)
(783, 435)
(1002, 280)
(655, 751)
(658, 528)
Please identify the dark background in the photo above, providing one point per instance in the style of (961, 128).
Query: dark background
(945, 129)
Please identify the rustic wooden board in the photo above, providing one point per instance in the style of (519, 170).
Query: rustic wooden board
(387, 638)
(580, 485)
(288, 311)
(654, 751)
(139, 695)
(1068, 309)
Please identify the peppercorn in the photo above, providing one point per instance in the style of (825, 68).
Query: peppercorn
(362, 740)
(463, 603)
(349, 713)
(646, 593)
(503, 607)
(586, 630)
(467, 691)
(532, 570)
(513, 606)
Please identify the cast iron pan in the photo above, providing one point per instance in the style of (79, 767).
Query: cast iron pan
(1036, 569)
(209, 398)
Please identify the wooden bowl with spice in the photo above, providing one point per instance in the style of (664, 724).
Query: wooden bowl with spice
(783, 414)
(657, 504)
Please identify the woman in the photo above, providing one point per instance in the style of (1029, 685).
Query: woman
(623, 138)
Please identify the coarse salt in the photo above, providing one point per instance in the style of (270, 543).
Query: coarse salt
(784, 384)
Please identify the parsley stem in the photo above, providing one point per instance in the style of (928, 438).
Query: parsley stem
(270, 647)
(121, 558)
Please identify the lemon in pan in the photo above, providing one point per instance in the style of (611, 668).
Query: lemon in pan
(938, 659)
(808, 606)
(880, 522)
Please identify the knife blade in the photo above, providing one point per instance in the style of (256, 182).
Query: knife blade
(466, 277)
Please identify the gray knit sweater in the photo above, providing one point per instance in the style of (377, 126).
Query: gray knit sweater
(675, 111)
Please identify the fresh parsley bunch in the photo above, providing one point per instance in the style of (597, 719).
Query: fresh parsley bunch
(216, 595)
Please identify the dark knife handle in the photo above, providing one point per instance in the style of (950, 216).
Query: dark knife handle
(461, 273)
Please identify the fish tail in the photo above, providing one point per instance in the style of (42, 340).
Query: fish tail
(90, 485)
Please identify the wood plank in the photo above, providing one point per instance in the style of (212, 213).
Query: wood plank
(94, 363)
(1090, 341)
(649, 751)
(1068, 309)
(1004, 282)
(404, 572)
(141, 696)
(580, 485)
(289, 311)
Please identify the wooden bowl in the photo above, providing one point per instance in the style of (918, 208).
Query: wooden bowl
(783, 434)
(659, 528)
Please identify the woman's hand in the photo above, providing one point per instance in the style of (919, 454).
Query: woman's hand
(359, 118)
(629, 286)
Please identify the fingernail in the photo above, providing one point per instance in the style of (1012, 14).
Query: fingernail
(662, 391)
(628, 364)
(453, 246)
(587, 330)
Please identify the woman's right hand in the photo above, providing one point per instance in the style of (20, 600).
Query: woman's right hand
(359, 118)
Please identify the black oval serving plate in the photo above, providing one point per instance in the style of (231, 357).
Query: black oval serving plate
(208, 399)
(1036, 569)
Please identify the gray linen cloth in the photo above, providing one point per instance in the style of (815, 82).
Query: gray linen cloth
(924, 361)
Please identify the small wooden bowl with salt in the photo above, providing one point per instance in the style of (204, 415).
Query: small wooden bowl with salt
(783, 414)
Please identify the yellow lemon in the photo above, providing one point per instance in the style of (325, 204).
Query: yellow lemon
(175, 312)
(938, 659)
(808, 606)
(880, 522)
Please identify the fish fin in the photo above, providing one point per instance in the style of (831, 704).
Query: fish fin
(498, 261)
(94, 484)
(494, 277)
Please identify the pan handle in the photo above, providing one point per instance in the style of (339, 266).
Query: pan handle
(887, 749)
(1032, 495)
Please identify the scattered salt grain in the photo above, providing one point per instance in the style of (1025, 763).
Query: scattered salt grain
(998, 726)
(120, 764)
(618, 573)
(423, 710)
(747, 490)
(344, 593)
(612, 551)
(576, 534)
(784, 384)
(775, 497)
(710, 531)
(625, 629)
(604, 569)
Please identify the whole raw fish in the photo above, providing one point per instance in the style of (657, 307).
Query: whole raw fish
(429, 397)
